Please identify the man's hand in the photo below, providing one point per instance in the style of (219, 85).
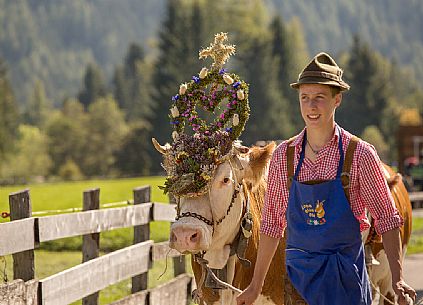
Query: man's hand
(401, 288)
(248, 296)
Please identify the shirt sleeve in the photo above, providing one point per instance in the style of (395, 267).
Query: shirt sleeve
(375, 193)
(273, 221)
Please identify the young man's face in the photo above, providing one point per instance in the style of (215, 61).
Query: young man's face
(318, 105)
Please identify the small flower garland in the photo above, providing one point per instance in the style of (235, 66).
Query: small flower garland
(193, 159)
(225, 86)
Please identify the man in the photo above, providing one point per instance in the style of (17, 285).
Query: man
(324, 253)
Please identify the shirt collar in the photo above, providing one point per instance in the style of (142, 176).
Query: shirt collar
(299, 139)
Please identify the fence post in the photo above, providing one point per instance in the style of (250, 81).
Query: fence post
(91, 242)
(178, 262)
(23, 262)
(141, 233)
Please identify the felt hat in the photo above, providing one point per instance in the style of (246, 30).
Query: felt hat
(322, 69)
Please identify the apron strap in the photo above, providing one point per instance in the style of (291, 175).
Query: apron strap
(290, 161)
(345, 176)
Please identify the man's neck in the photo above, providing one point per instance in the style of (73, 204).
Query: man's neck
(318, 137)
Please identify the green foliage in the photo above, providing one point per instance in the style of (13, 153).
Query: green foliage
(38, 108)
(30, 158)
(132, 85)
(70, 171)
(106, 128)
(67, 135)
(134, 156)
(93, 86)
(9, 118)
(373, 135)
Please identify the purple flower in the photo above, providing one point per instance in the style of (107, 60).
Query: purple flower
(222, 71)
(196, 79)
(229, 129)
(236, 85)
(222, 116)
(175, 98)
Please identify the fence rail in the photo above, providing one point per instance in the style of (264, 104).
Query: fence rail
(24, 233)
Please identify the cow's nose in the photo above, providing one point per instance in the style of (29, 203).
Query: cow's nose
(183, 239)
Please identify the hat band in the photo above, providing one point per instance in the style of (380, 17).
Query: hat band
(320, 74)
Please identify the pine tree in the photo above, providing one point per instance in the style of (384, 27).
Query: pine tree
(9, 114)
(93, 86)
(39, 106)
(366, 100)
(132, 85)
(269, 116)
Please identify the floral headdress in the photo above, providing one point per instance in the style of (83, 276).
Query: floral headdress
(190, 161)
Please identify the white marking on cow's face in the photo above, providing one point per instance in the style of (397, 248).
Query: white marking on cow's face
(190, 234)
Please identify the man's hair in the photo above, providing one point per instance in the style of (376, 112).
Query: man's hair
(334, 90)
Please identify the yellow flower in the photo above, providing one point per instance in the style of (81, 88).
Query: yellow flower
(183, 88)
(240, 94)
(235, 119)
(203, 73)
(229, 80)
(174, 111)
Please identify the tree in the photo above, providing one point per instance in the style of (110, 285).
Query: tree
(269, 116)
(39, 106)
(367, 97)
(93, 86)
(373, 135)
(9, 115)
(31, 157)
(134, 156)
(68, 135)
(106, 128)
(132, 84)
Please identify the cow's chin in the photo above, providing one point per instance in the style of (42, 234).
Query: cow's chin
(186, 227)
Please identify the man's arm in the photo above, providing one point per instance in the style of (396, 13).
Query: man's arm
(392, 245)
(266, 250)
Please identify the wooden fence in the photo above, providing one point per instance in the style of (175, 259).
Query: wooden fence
(24, 233)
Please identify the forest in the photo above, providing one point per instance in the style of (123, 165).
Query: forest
(85, 84)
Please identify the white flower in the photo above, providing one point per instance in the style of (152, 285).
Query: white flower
(228, 79)
(175, 135)
(174, 111)
(203, 73)
(235, 119)
(183, 88)
(240, 94)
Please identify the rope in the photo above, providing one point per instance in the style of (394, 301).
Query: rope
(205, 267)
(407, 297)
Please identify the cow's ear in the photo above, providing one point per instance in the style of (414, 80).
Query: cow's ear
(258, 160)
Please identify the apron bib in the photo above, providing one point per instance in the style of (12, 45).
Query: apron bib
(324, 253)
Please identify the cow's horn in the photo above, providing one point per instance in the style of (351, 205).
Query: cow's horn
(160, 148)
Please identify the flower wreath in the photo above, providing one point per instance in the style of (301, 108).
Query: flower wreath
(192, 159)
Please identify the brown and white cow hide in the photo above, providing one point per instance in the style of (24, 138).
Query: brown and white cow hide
(189, 234)
(379, 270)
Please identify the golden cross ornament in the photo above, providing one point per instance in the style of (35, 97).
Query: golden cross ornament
(218, 51)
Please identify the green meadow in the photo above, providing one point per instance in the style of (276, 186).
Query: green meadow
(56, 256)
(53, 257)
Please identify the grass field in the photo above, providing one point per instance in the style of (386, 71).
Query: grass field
(55, 196)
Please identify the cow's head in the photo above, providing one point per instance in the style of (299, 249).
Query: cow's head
(209, 222)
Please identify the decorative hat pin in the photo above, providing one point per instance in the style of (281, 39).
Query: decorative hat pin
(192, 158)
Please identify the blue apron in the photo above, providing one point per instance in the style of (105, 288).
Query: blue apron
(324, 253)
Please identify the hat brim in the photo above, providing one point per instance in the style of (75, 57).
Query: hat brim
(310, 80)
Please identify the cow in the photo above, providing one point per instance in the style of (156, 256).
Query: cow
(376, 259)
(209, 226)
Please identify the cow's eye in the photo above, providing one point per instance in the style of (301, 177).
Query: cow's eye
(226, 180)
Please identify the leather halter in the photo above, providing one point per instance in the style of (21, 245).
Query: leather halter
(213, 223)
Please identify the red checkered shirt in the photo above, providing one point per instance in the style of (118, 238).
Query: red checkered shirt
(368, 187)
